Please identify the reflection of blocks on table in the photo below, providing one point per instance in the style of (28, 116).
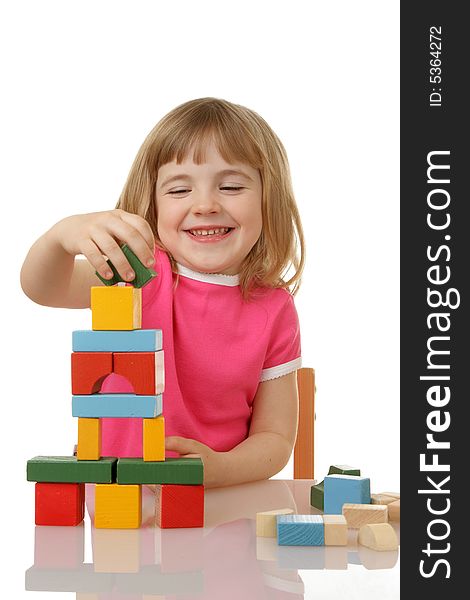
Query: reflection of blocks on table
(89, 439)
(341, 489)
(336, 530)
(266, 522)
(59, 503)
(116, 550)
(179, 506)
(118, 506)
(300, 530)
(179, 550)
(59, 547)
(336, 558)
(358, 515)
(116, 308)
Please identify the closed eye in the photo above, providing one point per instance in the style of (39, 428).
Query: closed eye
(231, 188)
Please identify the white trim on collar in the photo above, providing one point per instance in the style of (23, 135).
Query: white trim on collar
(214, 278)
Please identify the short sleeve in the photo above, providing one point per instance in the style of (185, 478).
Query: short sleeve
(283, 353)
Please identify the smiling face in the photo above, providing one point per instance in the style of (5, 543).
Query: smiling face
(209, 214)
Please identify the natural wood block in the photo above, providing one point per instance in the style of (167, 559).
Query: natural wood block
(358, 515)
(185, 471)
(378, 536)
(144, 370)
(336, 530)
(118, 307)
(89, 439)
(86, 596)
(154, 439)
(266, 522)
(394, 511)
(300, 530)
(118, 506)
(179, 506)
(143, 274)
(381, 499)
(116, 550)
(395, 495)
(68, 469)
(317, 495)
(343, 470)
(340, 489)
(137, 340)
(59, 503)
(89, 369)
(116, 405)
(304, 447)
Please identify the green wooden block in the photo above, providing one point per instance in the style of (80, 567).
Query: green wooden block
(143, 274)
(317, 495)
(185, 471)
(67, 469)
(343, 470)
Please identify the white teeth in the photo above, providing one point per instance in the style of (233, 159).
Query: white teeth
(204, 232)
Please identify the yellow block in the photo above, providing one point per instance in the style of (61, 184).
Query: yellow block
(154, 439)
(118, 506)
(116, 308)
(89, 439)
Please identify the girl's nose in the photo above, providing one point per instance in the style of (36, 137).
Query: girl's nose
(206, 204)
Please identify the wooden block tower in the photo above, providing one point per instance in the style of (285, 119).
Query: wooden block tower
(117, 344)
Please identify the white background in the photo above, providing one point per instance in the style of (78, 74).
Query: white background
(84, 82)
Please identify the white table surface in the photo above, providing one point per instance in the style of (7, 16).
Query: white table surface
(223, 560)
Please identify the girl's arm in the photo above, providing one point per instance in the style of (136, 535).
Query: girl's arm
(50, 274)
(268, 446)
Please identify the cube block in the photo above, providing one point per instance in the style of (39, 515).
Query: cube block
(145, 370)
(394, 510)
(358, 515)
(154, 439)
(89, 369)
(336, 530)
(266, 522)
(116, 405)
(118, 307)
(138, 340)
(317, 495)
(59, 503)
(185, 471)
(340, 489)
(118, 506)
(300, 530)
(179, 506)
(89, 439)
(68, 469)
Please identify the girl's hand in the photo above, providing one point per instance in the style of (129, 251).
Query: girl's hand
(212, 460)
(101, 233)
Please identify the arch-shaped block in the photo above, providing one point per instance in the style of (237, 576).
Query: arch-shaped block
(144, 370)
(89, 370)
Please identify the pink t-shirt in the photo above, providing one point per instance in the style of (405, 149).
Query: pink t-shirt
(217, 349)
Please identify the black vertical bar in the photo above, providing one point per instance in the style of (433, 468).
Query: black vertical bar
(434, 118)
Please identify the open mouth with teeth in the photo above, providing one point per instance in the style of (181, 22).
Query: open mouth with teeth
(218, 232)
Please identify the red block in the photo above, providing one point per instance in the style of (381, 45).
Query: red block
(140, 369)
(89, 369)
(179, 505)
(60, 503)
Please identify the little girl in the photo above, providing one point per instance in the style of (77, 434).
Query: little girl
(209, 204)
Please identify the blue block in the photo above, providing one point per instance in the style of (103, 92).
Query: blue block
(300, 530)
(139, 340)
(344, 488)
(117, 405)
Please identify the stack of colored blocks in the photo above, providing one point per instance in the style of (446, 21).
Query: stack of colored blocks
(116, 344)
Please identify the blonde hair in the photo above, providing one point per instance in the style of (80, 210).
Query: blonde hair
(240, 135)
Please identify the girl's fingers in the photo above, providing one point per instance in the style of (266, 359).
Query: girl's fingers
(182, 445)
(145, 250)
(110, 248)
(95, 257)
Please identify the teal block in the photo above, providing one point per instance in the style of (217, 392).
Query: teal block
(340, 489)
(317, 494)
(185, 471)
(117, 405)
(143, 274)
(138, 340)
(67, 469)
(300, 530)
(343, 470)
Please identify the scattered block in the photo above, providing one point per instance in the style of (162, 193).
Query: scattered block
(317, 495)
(154, 439)
(89, 370)
(117, 307)
(343, 470)
(300, 530)
(116, 405)
(266, 522)
(145, 370)
(358, 515)
(68, 469)
(89, 439)
(394, 511)
(118, 506)
(340, 489)
(179, 506)
(381, 499)
(59, 503)
(185, 471)
(336, 530)
(80, 581)
(395, 495)
(143, 274)
(137, 340)
(378, 536)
